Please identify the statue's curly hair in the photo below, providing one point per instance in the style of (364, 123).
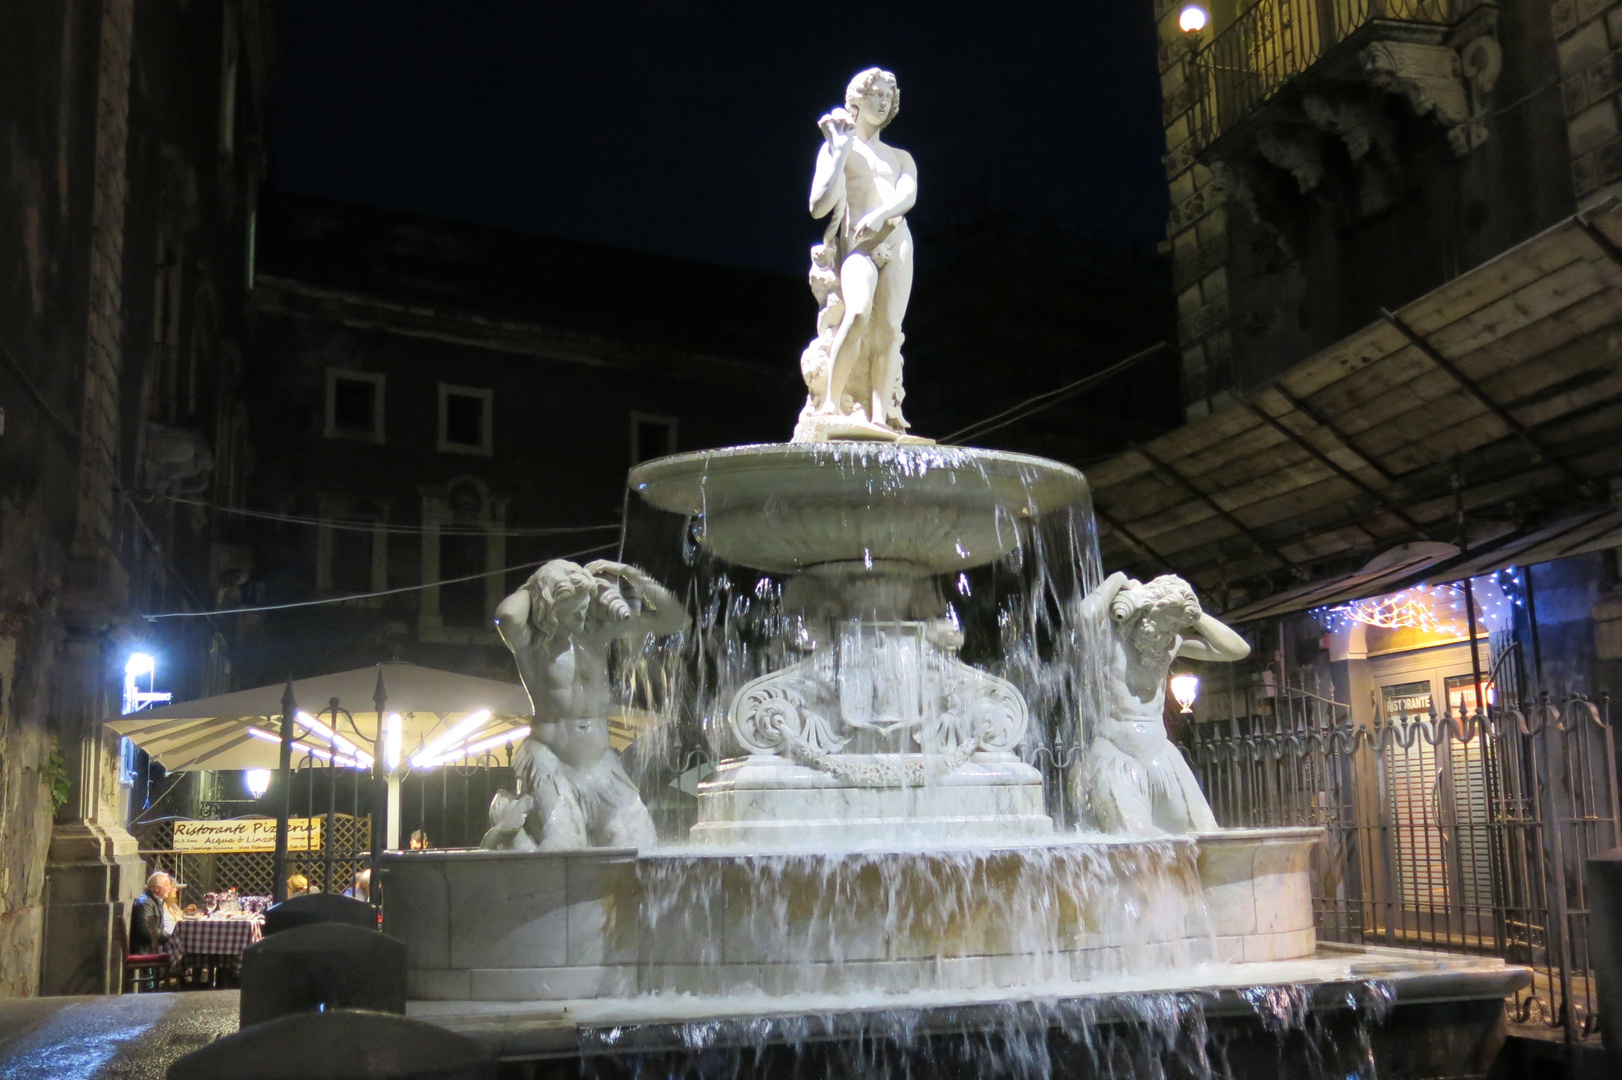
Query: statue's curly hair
(1167, 590)
(862, 83)
(553, 582)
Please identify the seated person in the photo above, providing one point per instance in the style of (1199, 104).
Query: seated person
(154, 915)
(299, 885)
(362, 887)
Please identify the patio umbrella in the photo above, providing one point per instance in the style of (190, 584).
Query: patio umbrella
(428, 717)
(442, 716)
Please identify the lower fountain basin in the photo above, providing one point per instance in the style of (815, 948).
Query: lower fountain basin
(783, 507)
(608, 923)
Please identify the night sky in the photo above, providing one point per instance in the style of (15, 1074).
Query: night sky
(688, 128)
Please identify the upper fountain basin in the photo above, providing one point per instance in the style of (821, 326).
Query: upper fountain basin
(782, 507)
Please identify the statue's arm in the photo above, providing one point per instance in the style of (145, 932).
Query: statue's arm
(651, 608)
(828, 182)
(1097, 603)
(1209, 639)
(905, 197)
(532, 650)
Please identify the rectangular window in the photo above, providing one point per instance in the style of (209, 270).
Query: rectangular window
(464, 420)
(652, 437)
(354, 405)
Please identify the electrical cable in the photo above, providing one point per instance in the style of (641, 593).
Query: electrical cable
(368, 595)
(368, 526)
(39, 397)
(1050, 398)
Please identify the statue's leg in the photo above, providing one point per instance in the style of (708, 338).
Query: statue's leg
(555, 821)
(1196, 815)
(1118, 792)
(616, 816)
(889, 308)
(858, 281)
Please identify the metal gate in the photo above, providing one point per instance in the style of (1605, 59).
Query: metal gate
(1448, 830)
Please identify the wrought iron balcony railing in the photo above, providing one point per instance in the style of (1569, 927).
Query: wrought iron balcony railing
(1273, 41)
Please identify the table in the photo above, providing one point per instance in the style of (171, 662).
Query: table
(225, 937)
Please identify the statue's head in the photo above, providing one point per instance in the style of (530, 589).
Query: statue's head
(1157, 611)
(560, 597)
(874, 92)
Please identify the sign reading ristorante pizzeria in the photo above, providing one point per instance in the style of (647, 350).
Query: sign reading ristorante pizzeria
(246, 834)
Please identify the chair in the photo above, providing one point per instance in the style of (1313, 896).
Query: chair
(145, 971)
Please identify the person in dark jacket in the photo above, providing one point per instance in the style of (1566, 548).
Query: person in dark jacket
(154, 915)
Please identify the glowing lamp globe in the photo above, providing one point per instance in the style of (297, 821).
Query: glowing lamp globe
(1192, 19)
(1185, 688)
(139, 664)
(258, 782)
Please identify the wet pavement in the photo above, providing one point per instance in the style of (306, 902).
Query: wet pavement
(131, 1037)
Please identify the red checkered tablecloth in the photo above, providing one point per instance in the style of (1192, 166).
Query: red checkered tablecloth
(213, 937)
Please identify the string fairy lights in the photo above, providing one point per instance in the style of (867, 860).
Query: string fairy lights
(1435, 609)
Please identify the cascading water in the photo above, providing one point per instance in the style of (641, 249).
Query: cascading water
(864, 763)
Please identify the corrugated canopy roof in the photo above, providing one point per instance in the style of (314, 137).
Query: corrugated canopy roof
(1509, 374)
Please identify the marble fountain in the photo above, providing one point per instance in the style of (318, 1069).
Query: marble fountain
(891, 845)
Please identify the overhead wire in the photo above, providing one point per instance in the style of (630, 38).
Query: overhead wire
(1049, 398)
(382, 526)
(368, 595)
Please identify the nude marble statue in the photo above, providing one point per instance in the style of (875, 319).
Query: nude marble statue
(572, 790)
(861, 273)
(1134, 781)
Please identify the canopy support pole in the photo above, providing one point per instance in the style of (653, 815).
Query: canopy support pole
(278, 884)
(384, 798)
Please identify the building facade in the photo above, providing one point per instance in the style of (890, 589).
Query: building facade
(131, 158)
(433, 402)
(1396, 234)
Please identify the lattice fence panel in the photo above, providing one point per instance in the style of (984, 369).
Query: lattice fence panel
(251, 873)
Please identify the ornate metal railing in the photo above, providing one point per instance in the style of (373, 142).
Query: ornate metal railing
(1273, 41)
(1454, 832)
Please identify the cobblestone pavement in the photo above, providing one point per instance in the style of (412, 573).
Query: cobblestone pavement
(131, 1037)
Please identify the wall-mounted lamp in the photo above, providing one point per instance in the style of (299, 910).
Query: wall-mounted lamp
(258, 781)
(1185, 688)
(1192, 19)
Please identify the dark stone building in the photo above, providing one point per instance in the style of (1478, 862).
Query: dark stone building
(131, 151)
(433, 401)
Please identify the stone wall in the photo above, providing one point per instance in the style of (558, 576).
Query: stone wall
(1321, 172)
(99, 113)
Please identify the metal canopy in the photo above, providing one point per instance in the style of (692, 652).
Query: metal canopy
(220, 732)
(1506, 377)
(1411, 565)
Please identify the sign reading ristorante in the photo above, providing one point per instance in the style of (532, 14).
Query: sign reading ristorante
(246, 834)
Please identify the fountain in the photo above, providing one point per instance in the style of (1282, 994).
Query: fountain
(934, 794)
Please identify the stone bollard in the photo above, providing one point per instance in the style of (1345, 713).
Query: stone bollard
(344, 1045)
(319, 908)
(322, 966)
(1605, 941)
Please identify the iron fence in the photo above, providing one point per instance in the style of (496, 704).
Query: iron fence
(1272, 42)
(1452, 831)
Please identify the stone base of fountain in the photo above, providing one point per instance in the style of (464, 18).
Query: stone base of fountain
(767, 801)
(526, 926)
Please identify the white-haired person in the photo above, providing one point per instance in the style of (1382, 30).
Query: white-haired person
(154, 915)
(1134, 779)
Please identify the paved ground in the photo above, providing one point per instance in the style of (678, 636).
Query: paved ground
(133, 1037)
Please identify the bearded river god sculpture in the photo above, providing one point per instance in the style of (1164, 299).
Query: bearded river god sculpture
(861, 273)
(572, 789)
(1134, 780)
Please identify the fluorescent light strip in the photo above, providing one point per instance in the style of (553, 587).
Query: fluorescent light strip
(325, 732)
(456, 753)
(393, 736)
(436, 746)
(316, 751)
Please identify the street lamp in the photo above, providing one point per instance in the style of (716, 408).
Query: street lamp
(1192, 19)
(258, 782)
(1185, 688)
